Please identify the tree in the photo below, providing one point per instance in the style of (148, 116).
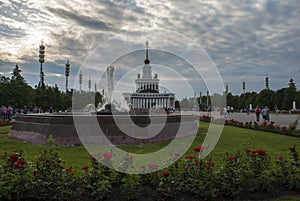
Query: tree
(290, 94)
(19, 93)
(278, 98)
(265, 98)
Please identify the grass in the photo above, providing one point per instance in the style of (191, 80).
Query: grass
(232, 139)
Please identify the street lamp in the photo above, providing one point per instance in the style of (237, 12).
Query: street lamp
(42, 60)
(67, 74)
(80, 80)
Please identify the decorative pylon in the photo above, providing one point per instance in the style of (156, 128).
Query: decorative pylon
(244, 86)
(80, 80)
(67, 74)
(89, 84)
(226, 89)
(207, 94)
(95, 87)
(42, 60)
(267, 81)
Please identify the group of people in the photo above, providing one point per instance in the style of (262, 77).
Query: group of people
(265, 112)
(6, 113)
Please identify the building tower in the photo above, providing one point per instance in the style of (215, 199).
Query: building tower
(67, 73)
(267, 82)
(41, 60)
(147, 95)
(80, 80)
(291, 83)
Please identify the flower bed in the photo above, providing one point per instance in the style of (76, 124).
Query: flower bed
(264, 126)
(5, 122)
(248, 174)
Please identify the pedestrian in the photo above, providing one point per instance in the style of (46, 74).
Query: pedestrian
(4, 112)
(268, 115)
(225, 112)
(9, 113)
(247, 109)
(257, 113)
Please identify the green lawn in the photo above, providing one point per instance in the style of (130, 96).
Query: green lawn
(232, 139)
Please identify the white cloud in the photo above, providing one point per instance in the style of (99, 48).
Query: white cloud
(249, 38)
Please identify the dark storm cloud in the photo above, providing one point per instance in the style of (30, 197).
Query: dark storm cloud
(81, 19)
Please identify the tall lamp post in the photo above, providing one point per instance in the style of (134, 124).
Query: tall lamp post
(67, 74)
(80, 81)
(90, 84)
(42, 60)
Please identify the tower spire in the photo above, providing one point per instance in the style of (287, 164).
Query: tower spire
(147, 61)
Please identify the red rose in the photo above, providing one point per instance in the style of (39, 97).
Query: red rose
(248, 151)
(261, 152)
(13, 157)
(69, 169)
(17, 166)
(21, 162)
(189, 157)
(232, 158)
(295, 155)
(85, 167)
(293, 149)
(196, 161)
(153, 166)
(166, 174)
(107, 155)
(198, 149)
(210, 163)
(280, 158)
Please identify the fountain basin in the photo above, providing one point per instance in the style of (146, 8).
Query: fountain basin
(36, 128)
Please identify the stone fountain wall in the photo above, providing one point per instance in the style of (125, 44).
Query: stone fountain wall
(37, 128)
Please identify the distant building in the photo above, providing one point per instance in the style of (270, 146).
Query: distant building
(147, 94)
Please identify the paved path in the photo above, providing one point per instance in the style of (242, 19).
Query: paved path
(279, 119)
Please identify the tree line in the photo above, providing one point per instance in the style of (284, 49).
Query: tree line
(282, 99)
(16, 92)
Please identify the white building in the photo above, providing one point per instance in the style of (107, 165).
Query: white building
(147, 94)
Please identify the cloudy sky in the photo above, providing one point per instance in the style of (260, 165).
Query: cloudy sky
(245, 39)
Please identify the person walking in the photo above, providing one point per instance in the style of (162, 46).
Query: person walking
(264, 113)
(257, 113)
(225, 113)
(268, 115)
(247, 109)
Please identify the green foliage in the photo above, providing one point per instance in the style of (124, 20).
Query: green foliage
(287, 170)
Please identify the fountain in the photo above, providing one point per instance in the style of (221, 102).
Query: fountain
(118, 127)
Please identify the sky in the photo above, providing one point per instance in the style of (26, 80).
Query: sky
(243, 40)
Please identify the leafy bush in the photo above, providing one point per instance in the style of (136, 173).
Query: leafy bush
(242, 174)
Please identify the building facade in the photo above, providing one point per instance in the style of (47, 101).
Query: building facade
(147, 95)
